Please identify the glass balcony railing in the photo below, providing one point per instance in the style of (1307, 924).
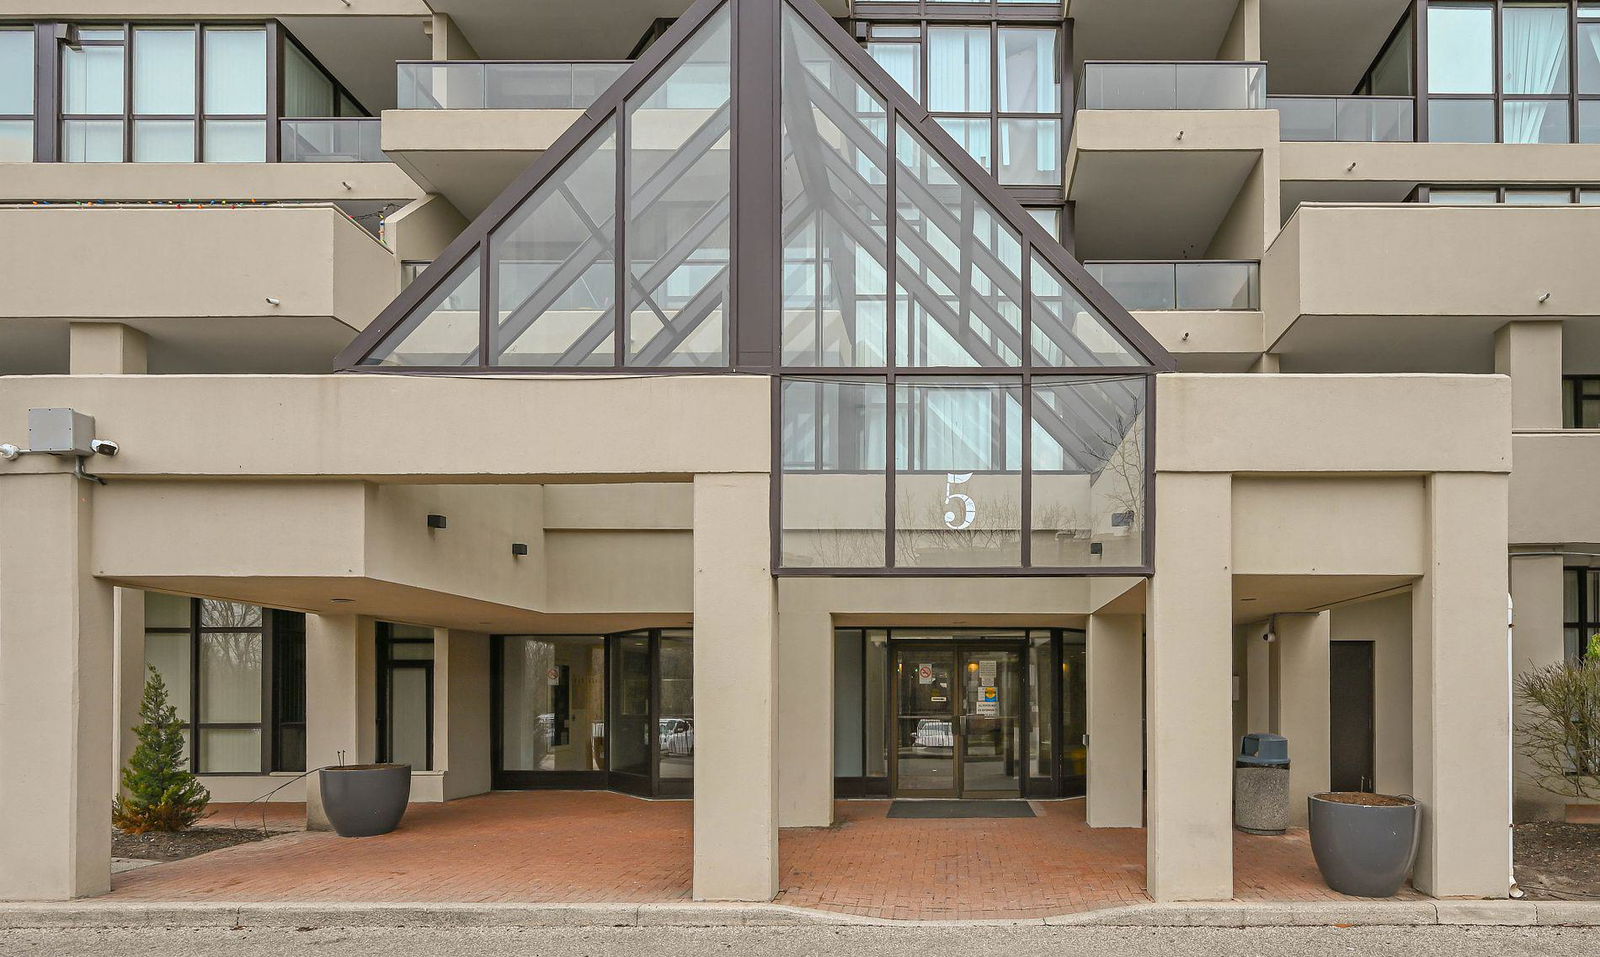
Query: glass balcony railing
(1345, 119)
(1205, 285)
(504, 84)
(345, 139)
(1173, 85)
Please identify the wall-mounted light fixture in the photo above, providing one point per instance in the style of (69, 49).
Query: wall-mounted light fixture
(519, 549)
(436, 521)
(341, 601)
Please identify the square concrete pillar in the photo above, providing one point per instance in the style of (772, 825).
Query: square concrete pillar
(1258, 686)
(1301, 659)
(106, 348)
(805, 715)
(1461, 734)
(1530, 353)
(1538, 634)
(340, 720)
(1115, 689)
(57, 667)
(461, 738)
(736, 691)
(128, 617)
(1189, 677)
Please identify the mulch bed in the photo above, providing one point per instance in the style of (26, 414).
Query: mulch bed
(175, 846)
(1557, 861)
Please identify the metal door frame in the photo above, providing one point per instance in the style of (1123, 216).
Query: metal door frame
(957, 647)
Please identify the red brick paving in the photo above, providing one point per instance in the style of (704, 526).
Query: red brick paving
(571, 846)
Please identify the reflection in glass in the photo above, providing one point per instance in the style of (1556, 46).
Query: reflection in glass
(168, 653)
(973, 135)
(230, 678)
(1461, 121)
(1028, 82)
(678, 236)
(235, 141)
(1074, 714)
(958, 461)
(1030, 152)
(675, 726)
(552, 704)
(1067, 331)
(835, 240)
(959, 268)
(631, 735)
(833, 476)
(555, 265)
(958, 69)
(230, 750)
(163, 71)
(442, 330)
(925, 724)
(1042, 710)
(91, 79)
(992, 751)
(163, 141)
(16, 71)
(1460, 47)
(236, 71)
(1088, 492)
(16, 141)
(903, 61)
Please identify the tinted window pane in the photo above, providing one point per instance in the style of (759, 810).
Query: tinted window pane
(442, 330)
(679, 206)
(903, 61)
(1461, 121)
(1537, 121)
(16, 141)
(1088, 471)
(1030, 152)
(91, 79)
(1463, 197)
(1460, 48)
(230, 677)
(1539, 197)
(1589, 57)
(555, 265)
(1028, 81)
(163, 71)
(958, 69)
(834, 441)
(163, 141)
(16, 71)
(1589, 121)
(1533, 44)
(307, 91)
(236, 71)
(1067, 331)
(168, 654)
(91, 141)
(224, 750)
(835, 170)
(973, 135)
(236, 141)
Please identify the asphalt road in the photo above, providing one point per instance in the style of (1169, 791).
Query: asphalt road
(1435, 941)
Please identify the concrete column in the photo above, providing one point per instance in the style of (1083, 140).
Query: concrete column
(106, 348)
(461, 738)
(1538, 638)
(1257, 677)
(1266, 364)
(1115, 686)
(57, 665)
(1530, 353)
(449, 43)
(340, 658)
(1460, 691)
(1243, 39)
(736, 700)
(128, 605)
(1301, 660)
(805, 714)
(1189, 677)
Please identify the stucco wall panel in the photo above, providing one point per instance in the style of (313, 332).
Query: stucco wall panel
(1350, 526)
(1549, 504)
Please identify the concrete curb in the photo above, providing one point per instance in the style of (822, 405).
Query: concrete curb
(90, 914)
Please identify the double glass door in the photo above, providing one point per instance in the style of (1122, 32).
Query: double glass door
(959, 721)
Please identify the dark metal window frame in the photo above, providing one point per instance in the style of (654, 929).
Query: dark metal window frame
(30, 118)
(1423, 193)
(274, 625)
(1583, 578)
(1578, 388)
(1498, 97)
(387, 665)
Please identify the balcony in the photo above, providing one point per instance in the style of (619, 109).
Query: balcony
(504, 84)
(1192, 286)
(1345, 119)
(331, 140)
(1173, 85)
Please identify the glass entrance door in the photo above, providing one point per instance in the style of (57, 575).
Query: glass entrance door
(959, 721)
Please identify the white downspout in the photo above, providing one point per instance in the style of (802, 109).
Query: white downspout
(1511, 749)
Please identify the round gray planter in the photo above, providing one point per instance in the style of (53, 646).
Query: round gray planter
(1364, 850)
(364, 800)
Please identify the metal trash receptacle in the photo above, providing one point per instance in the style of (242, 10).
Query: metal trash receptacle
(1261, 784)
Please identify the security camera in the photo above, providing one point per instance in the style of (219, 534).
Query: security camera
(104, 446)
(1269, 636)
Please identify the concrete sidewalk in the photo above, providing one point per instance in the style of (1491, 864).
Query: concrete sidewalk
(91, 914)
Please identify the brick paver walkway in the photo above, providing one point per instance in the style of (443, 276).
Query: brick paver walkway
(569, 846)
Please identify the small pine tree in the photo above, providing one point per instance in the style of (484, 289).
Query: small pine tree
(160, 792)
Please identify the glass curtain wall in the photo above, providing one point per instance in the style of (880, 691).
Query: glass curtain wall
(235, 673)
(1520, 71)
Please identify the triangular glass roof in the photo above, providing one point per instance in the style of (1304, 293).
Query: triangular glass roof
(731, 204)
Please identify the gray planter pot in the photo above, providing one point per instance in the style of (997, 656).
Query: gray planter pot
(364, 800)
(1364, 850)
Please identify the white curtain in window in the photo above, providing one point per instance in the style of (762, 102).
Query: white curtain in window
(1534, 61)
(958, 69)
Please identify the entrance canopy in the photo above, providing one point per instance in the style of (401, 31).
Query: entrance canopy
(757, 195)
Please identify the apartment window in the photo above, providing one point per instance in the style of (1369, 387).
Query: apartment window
(1510, 195)
(236, 675)
(405, 695)
(92, 101)
(1580, 403)
(1581, 608)
(16, 95)
(995, 88)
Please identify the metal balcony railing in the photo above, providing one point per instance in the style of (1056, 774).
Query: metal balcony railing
(344, 139)
(1173, 85)
(1345, 119)
(1202, 285)
(504, 84)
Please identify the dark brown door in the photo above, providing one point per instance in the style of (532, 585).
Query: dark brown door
(1351, 725)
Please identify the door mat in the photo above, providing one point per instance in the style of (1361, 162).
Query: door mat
(925, 810)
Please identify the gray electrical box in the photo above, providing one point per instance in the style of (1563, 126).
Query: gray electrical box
(60, 432)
